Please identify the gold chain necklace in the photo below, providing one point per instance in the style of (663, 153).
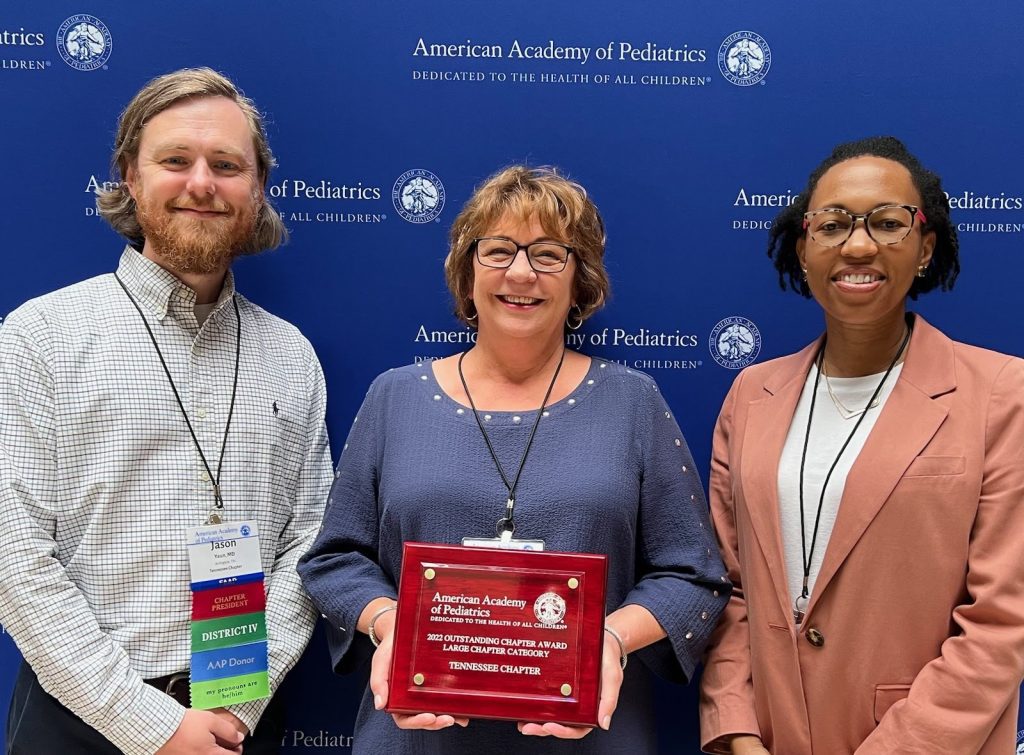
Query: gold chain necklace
(844, 411)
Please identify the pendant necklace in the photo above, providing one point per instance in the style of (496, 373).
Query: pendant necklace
(844, 411)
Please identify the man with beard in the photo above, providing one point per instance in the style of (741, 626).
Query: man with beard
(140, 404)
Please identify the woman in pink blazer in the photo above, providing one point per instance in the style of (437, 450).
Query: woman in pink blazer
(868, 495)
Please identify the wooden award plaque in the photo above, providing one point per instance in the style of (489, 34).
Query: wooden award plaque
(506, 634)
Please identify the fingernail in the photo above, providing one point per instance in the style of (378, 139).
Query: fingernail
(377, 702)
(606, 723)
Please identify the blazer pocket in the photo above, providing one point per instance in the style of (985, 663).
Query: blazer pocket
(936, 466)
(887, 695)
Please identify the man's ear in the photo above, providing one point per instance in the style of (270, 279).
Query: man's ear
(130, 177)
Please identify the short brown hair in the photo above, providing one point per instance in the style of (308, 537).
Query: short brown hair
(564, 211)
(117, 205)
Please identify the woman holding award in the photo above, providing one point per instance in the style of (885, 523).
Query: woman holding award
(579, 453)
(868, 495)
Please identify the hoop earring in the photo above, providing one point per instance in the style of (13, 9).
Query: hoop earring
(579, 318)
(475, 315)
(922, 270)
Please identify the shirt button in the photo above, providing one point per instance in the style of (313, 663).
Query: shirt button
(204, 476)
(201, 413)
(815, 637)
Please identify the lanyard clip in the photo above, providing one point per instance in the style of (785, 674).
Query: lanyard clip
(506, 525)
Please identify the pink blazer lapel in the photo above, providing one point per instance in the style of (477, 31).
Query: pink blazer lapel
(909, 420)
(768, 421)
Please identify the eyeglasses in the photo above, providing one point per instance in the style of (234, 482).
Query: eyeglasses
(543, 256)
(889, 224)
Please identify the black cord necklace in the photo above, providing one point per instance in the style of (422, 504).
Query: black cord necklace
(507, 522)
(218, 500)
(800, 604)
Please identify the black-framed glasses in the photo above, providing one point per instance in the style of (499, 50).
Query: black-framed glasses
(889, 224)
(543, 256)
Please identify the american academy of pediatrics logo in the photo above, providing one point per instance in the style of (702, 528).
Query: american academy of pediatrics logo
(735, 342)
(84, 42)
(549, 609)
(418, 196)
(744, 58)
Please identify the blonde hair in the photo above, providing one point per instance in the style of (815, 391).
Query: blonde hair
(117, 205)
(564, 211)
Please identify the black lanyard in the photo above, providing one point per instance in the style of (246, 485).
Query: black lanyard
(218, 500)
(801, 602)
(507, 523)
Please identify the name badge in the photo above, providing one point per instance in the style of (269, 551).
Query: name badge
(505, 542)
(229, 627)
(222, 554)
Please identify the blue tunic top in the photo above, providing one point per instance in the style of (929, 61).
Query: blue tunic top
(609, 472)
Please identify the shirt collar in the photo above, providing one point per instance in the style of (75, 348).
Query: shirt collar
(158, 289)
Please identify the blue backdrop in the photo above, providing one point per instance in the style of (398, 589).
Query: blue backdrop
(690, 123)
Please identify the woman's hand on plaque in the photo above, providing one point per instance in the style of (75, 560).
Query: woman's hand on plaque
(380, 667)
(611, 683)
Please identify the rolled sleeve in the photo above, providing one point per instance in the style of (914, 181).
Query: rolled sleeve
(341, 571)
(682, 580)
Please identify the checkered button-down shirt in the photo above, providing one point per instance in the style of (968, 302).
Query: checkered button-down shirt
(99, 479)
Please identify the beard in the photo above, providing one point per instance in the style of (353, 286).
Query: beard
(197, 245)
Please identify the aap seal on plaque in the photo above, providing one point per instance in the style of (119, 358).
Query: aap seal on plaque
(744, 58)
(418, 196)
(735, 342)
(84, 42)
(549, 609)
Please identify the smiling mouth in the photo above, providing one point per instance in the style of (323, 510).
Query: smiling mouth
(203, 213)
(522, 301)
(857, 278)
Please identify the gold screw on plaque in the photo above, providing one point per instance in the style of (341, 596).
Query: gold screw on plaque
(418, 680)
(429, 574)
(566, 689)
(573, 583)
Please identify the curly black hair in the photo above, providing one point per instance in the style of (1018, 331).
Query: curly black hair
(788, 225)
